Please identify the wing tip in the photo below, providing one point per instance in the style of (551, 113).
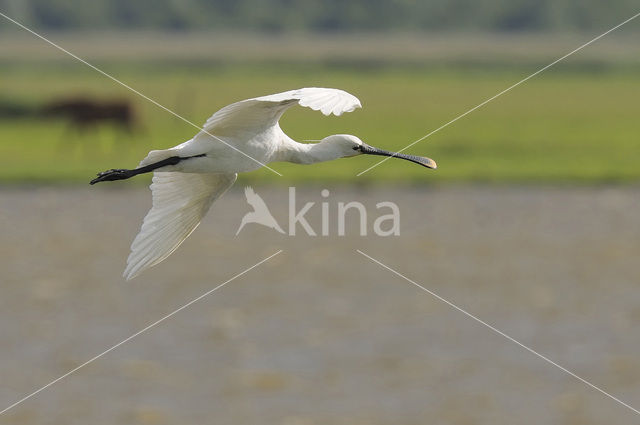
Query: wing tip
(128, 274)
(133, 269)
(320, 99)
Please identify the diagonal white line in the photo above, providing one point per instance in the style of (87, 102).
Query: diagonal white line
(504, 91)
(499, 332)
(137, 333)
(133, 90)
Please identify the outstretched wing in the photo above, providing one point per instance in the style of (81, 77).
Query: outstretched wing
(180, 200)
(254, 115)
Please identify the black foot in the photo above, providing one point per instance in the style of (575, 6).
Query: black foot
(111, 175)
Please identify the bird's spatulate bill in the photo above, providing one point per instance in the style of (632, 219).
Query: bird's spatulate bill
(421, 160)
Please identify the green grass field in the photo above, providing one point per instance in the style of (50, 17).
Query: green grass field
(565, 125)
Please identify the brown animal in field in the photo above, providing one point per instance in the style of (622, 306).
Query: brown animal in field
(85, 113)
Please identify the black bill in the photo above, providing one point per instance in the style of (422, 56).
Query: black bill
(422, 160)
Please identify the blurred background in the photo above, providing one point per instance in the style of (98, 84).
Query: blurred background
(530, 222)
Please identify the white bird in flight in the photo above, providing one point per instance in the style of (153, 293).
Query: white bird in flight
(240, 137)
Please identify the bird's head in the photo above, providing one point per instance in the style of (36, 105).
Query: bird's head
(347, 145)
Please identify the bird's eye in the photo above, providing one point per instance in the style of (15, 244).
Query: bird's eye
(356, 148)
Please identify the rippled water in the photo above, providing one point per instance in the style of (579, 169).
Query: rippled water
(321, 334)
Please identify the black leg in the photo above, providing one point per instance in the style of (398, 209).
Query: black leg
(113, 174)
(122, 174)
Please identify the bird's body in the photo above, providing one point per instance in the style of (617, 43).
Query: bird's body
(240, 137)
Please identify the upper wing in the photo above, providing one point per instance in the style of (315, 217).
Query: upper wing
(180, 200)
(253, 115)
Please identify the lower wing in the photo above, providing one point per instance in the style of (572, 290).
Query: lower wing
(180, 201)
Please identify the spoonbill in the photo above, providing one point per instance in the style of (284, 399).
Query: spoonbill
(240, 137)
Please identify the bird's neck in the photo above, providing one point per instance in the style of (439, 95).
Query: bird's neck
(306, 153)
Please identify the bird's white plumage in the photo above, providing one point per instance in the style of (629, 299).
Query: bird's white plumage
(240, 137)
(180, 201)
(265, 111)
(327, 101)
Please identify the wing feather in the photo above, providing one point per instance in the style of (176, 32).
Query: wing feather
(180, 201)
(254, 115)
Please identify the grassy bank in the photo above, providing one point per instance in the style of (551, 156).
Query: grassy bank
(566, 125)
